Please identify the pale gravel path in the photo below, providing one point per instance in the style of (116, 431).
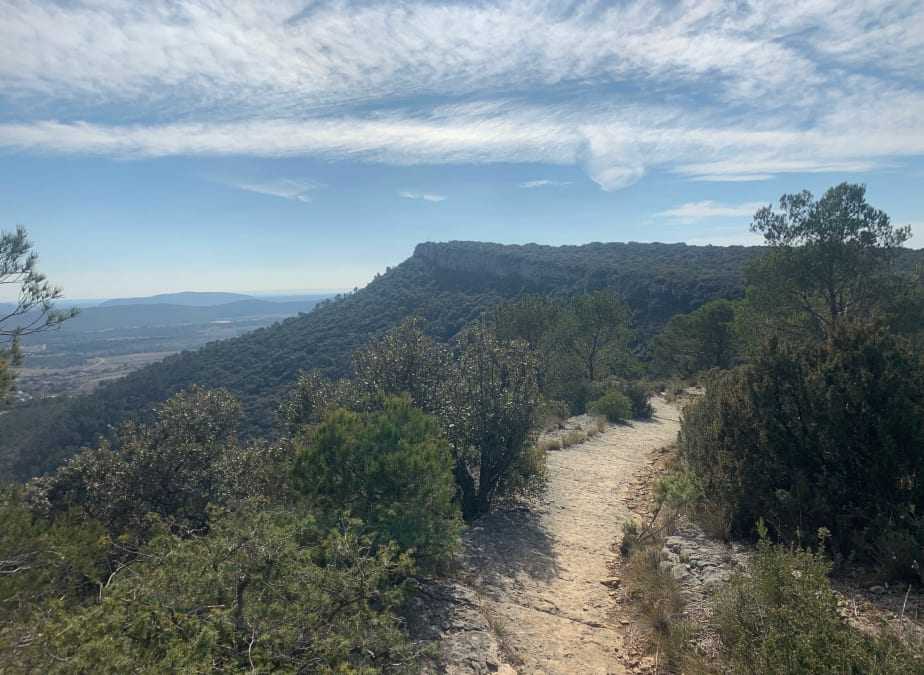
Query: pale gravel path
(540, 571)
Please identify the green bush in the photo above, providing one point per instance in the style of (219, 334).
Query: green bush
(43, 559)
(264, 591)
(639, 395)
(822, 435)
(390, 469)
(898, 554)
(614, 405)
(782, 617)
(186, 459)
(552, 414)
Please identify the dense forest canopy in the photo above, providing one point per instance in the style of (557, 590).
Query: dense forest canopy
(447, 285)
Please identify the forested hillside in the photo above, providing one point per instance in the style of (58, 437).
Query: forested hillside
(448, 285)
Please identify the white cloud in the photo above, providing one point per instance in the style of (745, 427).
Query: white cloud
(693, 212)
(286, 188)
(532, 184)
(424, 196)
(733, 178)
(248, 78)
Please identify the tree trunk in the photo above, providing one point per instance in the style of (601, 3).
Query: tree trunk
(468, 495)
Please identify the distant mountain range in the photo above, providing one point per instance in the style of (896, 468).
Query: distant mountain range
(186, 299)
(448, 285)
(119, 314)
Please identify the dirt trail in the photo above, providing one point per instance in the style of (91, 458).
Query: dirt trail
(538, 573)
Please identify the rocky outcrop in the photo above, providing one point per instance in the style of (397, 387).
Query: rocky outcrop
(702, 566)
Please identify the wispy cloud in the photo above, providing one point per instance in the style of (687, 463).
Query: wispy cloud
(423, 196)
(243, 77)
(286, 188)
(693, 212)
(532, 184)
(733, 178)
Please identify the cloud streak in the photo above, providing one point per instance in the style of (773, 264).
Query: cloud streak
(423, 196)
(348, 80)
(533, 184)
(285, 188)
(693, 212)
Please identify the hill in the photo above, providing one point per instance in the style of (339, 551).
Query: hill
(447, 284)
(186, 299)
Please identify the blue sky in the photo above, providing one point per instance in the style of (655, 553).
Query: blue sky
(164, 146)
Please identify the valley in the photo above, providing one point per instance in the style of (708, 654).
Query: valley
(107, 341)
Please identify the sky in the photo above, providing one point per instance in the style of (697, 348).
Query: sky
(250, 146)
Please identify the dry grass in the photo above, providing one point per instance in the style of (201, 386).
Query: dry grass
(501, 634)
(597, 426)
(658, 596)
(549, 444)
(714, 519)
(573, 437)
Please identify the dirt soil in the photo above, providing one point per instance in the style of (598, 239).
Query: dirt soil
(534, 593)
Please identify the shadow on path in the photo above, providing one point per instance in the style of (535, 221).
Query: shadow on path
(507, 543)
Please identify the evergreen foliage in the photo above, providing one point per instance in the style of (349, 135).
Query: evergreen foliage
(782, 617)
(484, 393)
(447, 285)
(579, 340)
(828, 434)
(391, 469)
(614, 406)
(823, 426)
(33, 310)
(263, 591)
(704, 339)
(187, 459)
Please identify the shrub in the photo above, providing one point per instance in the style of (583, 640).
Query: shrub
(630, 538)
(483, 391)
(43, 559)
(657, 594)
(899, 554)
(175, 467)
(614, 405)
(529, 475)
(639, 395)
(551, 414)
(573, 437)
(390, 469)
(263, 591)
(677, 493)
(549, 444)
(598, 424)
(827, 435)
(782, 617)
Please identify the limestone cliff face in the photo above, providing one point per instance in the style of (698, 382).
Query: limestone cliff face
(657, 280)
(476, 259)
